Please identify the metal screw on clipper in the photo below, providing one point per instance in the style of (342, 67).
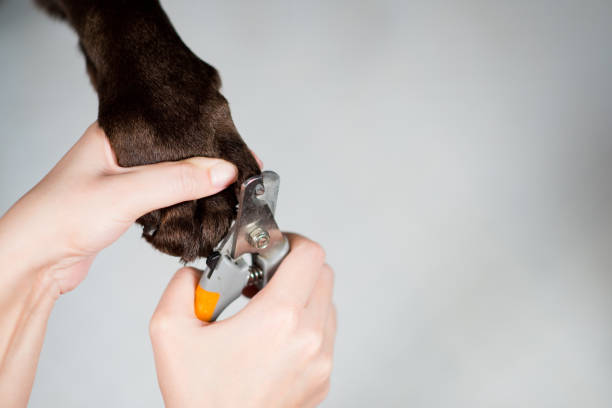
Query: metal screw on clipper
(259, 238)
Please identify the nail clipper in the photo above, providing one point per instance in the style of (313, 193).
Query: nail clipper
(250, 252)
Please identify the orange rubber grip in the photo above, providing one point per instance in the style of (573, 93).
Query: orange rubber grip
(205, 303)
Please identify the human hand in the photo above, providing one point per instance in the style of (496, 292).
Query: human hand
(49, 238)
(87, 201)
(159, 102)
(276, 352)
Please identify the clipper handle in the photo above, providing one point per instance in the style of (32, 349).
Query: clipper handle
(219, 287)
(223, 283)
(205, 304)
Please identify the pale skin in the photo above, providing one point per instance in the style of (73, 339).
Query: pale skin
(50, 237)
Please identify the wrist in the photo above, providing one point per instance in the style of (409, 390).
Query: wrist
(23, 251)
(30, 241)
(22, 276)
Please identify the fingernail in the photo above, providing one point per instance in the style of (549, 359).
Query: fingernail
(222, 174)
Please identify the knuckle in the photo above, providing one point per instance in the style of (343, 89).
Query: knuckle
(328, 274)
(325, 387)
(313, 251)
(311, 342)
(286, 318)
(319, 394)
(187, 180)
(322, 371)
(159, 326)
(186, 272)
(96, 130)
(317, 252)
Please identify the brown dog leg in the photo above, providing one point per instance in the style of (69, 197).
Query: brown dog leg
(158, 102)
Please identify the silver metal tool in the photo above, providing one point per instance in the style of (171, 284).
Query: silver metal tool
(250, 252)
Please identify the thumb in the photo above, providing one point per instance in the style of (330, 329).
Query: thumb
(177, 299)
(150, 187)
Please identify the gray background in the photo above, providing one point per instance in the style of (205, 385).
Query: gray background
(454, 158)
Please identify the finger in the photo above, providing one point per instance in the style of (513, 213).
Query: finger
(320, 302)
(331, 328)
(177, 299)
(297, 274)
(327, 351)
(146, 188)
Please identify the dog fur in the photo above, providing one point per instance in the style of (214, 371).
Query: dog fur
(158, 102)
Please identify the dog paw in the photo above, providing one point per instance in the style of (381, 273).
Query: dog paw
(168, 112)
(191, 229)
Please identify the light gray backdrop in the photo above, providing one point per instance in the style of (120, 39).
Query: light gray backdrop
(453, 157)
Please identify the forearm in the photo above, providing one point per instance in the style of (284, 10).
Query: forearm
(27, 296)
